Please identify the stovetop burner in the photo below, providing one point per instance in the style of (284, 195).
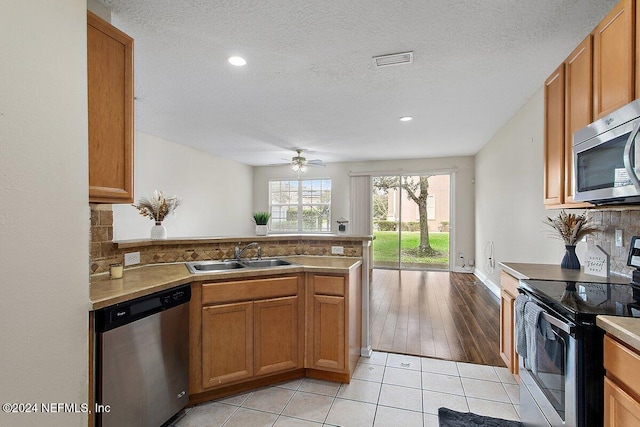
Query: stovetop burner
(581, 301)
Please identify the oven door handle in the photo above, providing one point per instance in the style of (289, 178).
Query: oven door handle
(566, 327)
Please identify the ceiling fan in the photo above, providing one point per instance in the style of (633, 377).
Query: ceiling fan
(299, 163)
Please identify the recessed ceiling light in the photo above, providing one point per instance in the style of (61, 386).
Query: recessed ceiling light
(238, 61)
(406, 119)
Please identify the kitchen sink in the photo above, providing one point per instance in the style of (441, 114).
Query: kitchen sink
(212, 266)
(201, 267)
(261, 263)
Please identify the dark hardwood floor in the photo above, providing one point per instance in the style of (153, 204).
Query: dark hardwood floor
(436, 314)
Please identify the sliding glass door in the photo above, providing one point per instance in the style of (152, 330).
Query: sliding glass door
(411, 222)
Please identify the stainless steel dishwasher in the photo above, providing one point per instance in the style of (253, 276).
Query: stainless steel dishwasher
(143, 359)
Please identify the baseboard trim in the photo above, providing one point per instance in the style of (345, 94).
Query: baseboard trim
(495, 289)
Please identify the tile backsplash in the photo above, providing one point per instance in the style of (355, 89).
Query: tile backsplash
(609, 220)
(105, 252)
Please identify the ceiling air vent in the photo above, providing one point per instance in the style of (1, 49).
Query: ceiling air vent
(393, 59)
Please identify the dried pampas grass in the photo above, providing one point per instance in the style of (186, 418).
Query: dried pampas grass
(571, 227)
(158, 206)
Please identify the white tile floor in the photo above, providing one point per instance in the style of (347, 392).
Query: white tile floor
(386, 390)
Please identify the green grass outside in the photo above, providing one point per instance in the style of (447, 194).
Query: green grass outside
(385, 247)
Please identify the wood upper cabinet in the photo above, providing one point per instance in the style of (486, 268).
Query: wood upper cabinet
(110, 103)
(614, 60)
(595, 80)
(578, 104)
(554, 148)
(507, 328)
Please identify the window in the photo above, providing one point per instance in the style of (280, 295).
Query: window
(300, 205)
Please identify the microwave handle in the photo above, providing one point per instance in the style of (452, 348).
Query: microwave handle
(631, 168)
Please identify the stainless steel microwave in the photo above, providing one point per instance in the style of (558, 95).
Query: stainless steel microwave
(604, 158)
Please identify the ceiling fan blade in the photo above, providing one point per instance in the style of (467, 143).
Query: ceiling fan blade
(316, 163)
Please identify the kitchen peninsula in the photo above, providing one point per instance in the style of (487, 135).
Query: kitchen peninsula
(307, 318)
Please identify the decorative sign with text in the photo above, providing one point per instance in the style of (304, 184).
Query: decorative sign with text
(597, 262)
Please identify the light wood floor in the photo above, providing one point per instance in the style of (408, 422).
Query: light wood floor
(436, 314)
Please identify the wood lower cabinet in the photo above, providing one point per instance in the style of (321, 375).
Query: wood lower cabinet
(613, 60)
(620, 409)
(621, 385)
(252, 332)
(245, 329)
(110, 103)
(508, 295)
(276, 335)
(334, 323)
(328, 331)
(227, 343)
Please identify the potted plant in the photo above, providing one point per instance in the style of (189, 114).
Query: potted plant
(157, 208)
(571, 228)
(261, 219)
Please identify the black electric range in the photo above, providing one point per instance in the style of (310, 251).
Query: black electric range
(578, 354)
(581, 302)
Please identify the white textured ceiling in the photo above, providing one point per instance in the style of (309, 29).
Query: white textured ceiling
(310, 81)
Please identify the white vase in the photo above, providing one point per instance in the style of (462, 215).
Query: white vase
(158, 232)
(261, 230)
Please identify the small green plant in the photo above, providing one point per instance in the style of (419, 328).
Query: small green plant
(261, 218)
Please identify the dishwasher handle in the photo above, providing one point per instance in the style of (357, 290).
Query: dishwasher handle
(127, 312)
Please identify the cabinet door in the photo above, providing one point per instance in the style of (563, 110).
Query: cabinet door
(110, 102)
(507, 343)
(328, 333)
(227, 343)
(620, 409)
(613, 44)
(579, 104)
(554, 98)
(276, 346)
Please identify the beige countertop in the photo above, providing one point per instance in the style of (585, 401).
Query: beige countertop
(625, 329)
(523, 271)
(148, 279)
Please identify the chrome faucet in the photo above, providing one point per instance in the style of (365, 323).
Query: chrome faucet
(237, 252)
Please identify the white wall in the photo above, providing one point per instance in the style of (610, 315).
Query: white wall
(509, 205)
(44, 220)
(216, 193)
(463, 195)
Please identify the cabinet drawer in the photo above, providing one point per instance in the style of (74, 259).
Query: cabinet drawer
(509, 283)
(623, 364)
(244, 290)
(328, 285)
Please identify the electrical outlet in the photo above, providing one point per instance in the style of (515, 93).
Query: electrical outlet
(337, 250)
(131, 258)
(471, 263)
(461, 255)
(619, 238)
